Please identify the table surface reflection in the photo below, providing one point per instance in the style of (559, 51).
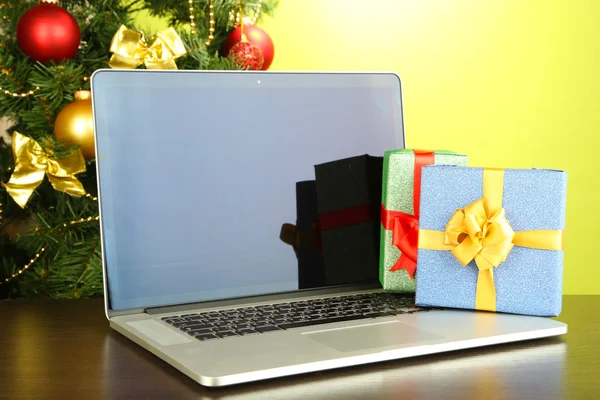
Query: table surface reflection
(65, 349)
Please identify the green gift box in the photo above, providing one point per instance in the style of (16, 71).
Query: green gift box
(400, 213)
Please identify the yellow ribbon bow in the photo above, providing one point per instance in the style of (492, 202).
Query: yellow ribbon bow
(32, 163)
(130, 50)
(481, 232)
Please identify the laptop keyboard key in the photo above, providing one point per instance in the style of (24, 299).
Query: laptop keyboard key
(263, 329)
(178, 323)
(244, 332)
(191, 327)
(204, 337)
(197, 320)
(195, 332)
(352, 314)
(226, 334)
(223, 329)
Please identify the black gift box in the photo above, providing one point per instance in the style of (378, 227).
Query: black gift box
(349, 206)
(304, 237)
(310, 262)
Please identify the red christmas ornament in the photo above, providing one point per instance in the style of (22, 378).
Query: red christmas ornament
(247, 55)
(48, 32)
(255, 36)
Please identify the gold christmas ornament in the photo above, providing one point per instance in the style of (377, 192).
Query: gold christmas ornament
(75, 124)
(32, 163)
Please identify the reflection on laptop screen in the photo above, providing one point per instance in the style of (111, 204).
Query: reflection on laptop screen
(208, 180)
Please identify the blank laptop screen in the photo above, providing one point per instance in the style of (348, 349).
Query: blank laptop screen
(198, 173)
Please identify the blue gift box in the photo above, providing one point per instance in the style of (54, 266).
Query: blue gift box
(529, 280)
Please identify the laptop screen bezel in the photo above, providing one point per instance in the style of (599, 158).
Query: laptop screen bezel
(253, 75)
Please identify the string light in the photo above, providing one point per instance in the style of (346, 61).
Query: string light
(192, 23)
(15, 94)
(211, 15)
(25, 268)
(43, 249)
(89, 196)
(81, 221)
(211, 28)
(251, 21)
(257, 12)
(24, 94)
(238, 15)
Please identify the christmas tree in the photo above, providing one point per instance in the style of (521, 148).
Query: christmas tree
(49, 229)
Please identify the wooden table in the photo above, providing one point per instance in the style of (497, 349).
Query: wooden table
(65, 349)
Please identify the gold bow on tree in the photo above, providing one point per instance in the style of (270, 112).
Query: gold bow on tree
(130, 50)
(32, 163)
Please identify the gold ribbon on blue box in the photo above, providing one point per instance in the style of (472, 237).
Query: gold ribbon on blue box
(481, 232)
(130, 50)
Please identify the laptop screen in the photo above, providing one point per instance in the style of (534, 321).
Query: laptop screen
(203, 176)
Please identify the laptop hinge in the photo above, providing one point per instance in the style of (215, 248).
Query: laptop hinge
(264, 298)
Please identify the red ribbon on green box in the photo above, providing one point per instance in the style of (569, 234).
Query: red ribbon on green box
(405, 227)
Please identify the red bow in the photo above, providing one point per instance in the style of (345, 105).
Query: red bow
(405, 236)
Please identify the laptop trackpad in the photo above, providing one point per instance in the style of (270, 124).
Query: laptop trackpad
(364, 337)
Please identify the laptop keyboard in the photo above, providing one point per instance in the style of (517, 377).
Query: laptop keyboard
(282, 316)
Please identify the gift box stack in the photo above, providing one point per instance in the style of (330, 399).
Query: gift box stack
(461, 237)
(473, 238)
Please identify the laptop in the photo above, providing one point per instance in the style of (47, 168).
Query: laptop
(199, 175)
